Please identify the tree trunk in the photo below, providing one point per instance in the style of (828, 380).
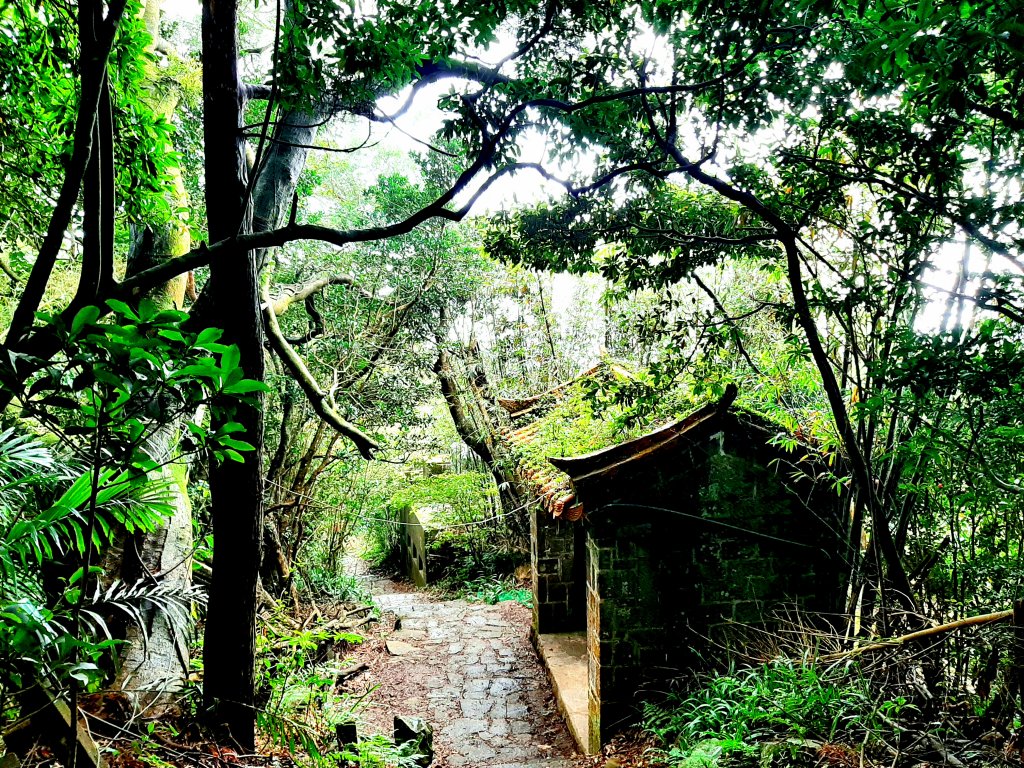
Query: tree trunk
(865, 485)
(283, 162)
(273, 197)
(155, 661)
(236, 488)
(472, 411)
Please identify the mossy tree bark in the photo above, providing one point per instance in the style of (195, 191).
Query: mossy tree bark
(474, 413)
(155, 660)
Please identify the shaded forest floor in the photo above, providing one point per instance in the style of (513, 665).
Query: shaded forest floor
(467, 668)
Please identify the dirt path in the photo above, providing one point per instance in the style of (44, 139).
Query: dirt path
(470, 671)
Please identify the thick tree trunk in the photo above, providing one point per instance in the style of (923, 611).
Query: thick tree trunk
(155, 661)
(236, 488)
(472, 409)
(283, 162)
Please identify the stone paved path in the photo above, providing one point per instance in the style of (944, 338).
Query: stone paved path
(470, 671)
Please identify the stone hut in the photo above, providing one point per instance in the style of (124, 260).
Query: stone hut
(642, 550)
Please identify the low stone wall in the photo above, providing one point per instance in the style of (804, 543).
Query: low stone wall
(416, 535)
(557, 570)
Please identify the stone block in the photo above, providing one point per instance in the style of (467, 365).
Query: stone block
(547, 565)
(346, 733)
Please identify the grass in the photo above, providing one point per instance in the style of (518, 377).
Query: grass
(782, 704)
(493, 590)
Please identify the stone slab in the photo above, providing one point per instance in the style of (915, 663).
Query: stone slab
(565, 656)
(398, 648)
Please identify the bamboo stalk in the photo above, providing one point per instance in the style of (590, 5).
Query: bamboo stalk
(972, 621)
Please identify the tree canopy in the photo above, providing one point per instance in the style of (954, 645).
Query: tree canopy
(818, 199)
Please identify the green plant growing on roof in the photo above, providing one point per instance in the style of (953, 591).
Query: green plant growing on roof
(571, 427)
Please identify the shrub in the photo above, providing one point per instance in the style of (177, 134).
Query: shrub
(774, 702)
(493, 590)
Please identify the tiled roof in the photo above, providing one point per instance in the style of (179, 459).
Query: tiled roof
(543, 474)
(530, 434)
(518, 407)
(551, 486)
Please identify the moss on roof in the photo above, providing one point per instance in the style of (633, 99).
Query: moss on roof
(563, 423)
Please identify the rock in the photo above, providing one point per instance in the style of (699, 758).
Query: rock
(398, 648)
(347, 734)
(410, 634)
(418, 735)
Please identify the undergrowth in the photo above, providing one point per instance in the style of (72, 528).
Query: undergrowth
(782, 703)
(494, 589)
(320, 582)
(297, 675)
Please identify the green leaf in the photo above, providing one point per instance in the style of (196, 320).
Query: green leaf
(230, 359)
(205, 370)
(245, 386)
(172, 335)
(85, 316)
(208, 336)
(122, 309)
(230, 442)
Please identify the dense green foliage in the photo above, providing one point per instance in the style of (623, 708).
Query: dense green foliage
(784, 705)
(38, 94)
(818, 201)
(98, 479)
(469, 547)
(51, 622)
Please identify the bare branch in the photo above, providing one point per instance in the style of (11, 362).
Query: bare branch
(435, 71)
(304, 291)
(728, 320)
(317, 397)
(257, 92)
(320, 147)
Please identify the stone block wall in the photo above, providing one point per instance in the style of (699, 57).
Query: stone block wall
(414, 547)
(637, 601)
(669, 554)
(743, 578)
(558, 581)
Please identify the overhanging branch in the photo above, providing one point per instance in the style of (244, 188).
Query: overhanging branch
(317, 397)
(302, 292)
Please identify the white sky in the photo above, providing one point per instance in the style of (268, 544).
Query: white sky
(181, 9)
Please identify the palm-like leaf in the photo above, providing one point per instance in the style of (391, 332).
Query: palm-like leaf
(23, 455)
(39, 631)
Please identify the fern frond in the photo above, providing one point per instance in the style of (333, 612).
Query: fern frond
(134, 601)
